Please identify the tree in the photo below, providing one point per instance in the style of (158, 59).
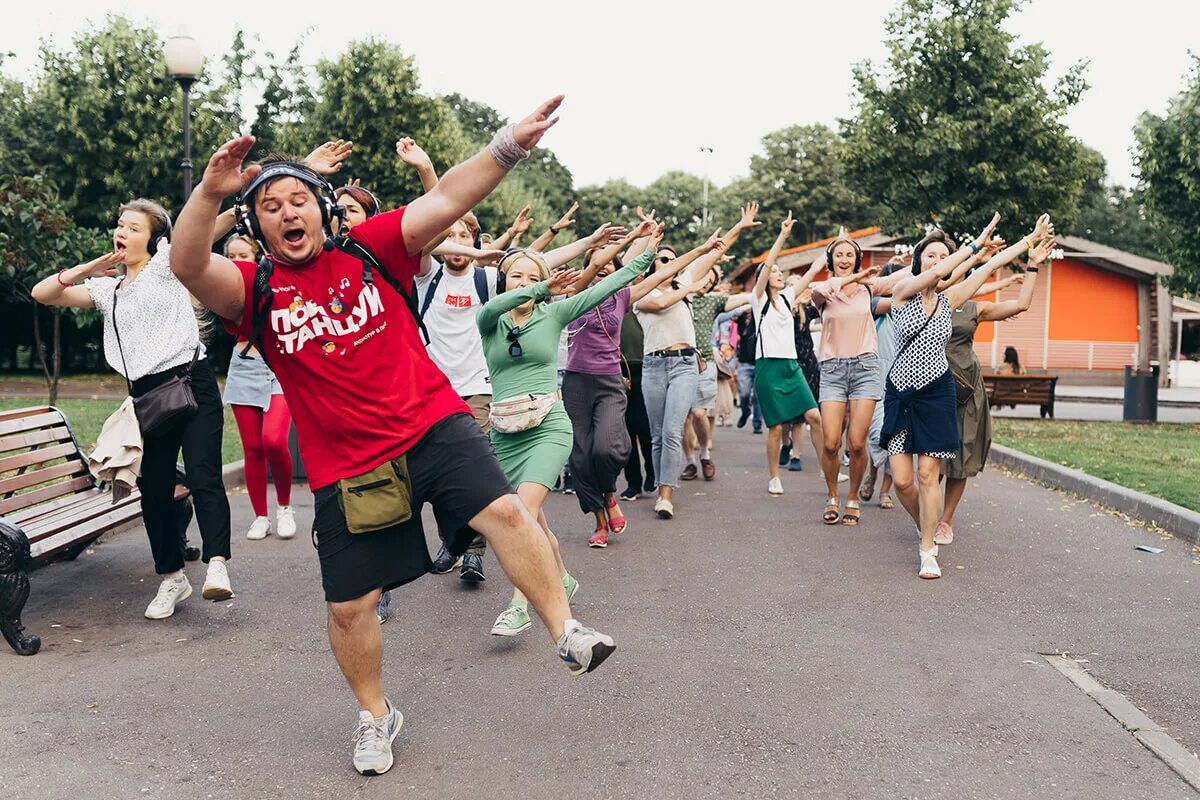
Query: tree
(102, 121)
(1168, 162)
(36, 232)
(615, 201)
(960, 125)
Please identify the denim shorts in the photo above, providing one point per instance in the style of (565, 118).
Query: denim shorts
(857, 378)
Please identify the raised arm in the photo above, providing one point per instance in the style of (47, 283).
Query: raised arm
(482, 257)
(411, 153)
(991, 287)
(512, 236)
(488, 316)
(993, 312)
(914, 285)
(465, 185)
(957, 295)
(605, 255)
(764, 274)
(667, 272)
(710, 259)
(580, 304)
(212, 279)
(564, 222)
(567, 253)
(58, 290)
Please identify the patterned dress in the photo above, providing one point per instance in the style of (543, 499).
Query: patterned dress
(806, 354)
(923, 361)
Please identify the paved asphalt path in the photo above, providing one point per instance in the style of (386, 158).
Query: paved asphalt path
(761, 654)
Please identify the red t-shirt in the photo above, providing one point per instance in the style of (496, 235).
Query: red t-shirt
(349, 357)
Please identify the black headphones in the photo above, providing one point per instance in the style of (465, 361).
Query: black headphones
(321, 188)
(833, 244)
(161, 236)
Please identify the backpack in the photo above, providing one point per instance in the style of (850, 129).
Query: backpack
(481, 290)
(262, 297)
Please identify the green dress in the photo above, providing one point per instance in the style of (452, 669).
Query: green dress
(974, 416)
(538, 454)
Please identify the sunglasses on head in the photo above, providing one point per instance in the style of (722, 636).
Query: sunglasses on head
(514, 343)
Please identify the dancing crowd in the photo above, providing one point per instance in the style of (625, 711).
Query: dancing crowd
(422, 360)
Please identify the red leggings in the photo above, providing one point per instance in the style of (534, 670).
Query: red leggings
(265, 438)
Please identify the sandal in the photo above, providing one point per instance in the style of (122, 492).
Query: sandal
(848, 518)
(618, 523)
(867, 490)
(831, 515)
(944, 534)
(885, 501)
(599, 538)
(929, 566)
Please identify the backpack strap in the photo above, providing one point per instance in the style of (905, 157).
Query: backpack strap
(371, 264)
(431, 291)
(481, 287)
(261, 300)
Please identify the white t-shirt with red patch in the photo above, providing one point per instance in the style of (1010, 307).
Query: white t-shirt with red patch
(350, 358)
(454, 341)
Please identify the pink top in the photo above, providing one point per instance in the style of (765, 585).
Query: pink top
(847, 328)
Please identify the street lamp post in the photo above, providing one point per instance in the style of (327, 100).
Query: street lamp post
(704, 202)
(185, 60)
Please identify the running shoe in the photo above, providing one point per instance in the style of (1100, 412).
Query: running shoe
(259, 529)
(794, 464)
(775, 486)
(568, 486)
(216, 582)
(444, 562)
(758, 430)
(630, 494)
(383, 609)
(373, 740)
(285, 522)
(513, 619)
(472, 568)
(785, 454)
(741, 423)
(171, 592)
(664, 508)
(570, 586)
(583, 649)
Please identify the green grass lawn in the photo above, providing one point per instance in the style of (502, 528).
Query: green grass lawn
(1162, 460)
(87, 418)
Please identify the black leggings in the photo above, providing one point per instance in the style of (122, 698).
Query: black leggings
(638, 426)
(200, 438)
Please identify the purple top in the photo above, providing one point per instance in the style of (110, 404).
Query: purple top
(590, 351)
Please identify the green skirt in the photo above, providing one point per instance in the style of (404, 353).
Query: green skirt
(538, 454)
(782, 390)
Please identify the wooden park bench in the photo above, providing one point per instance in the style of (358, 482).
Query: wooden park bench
(51, 507)
(1018, 390)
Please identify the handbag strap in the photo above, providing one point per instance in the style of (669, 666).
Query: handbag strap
(916, 335)
(121, 350)
(603, 327)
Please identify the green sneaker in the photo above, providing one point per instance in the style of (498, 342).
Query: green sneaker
(513, 619)
(570, 586)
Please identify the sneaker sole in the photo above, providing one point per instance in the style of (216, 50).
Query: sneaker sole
(512, 631)
(665, 514)
(570, 595)
(391, 757)
(178, 600)
(596, 545)
(215, 593)
(471, 577)
(286, 535)
(600, 652)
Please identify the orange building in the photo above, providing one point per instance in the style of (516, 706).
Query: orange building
(1095, 309)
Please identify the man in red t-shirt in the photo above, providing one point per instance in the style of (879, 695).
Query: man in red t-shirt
(364, 393)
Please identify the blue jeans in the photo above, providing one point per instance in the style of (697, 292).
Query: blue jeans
(746, 395)
(669, 387)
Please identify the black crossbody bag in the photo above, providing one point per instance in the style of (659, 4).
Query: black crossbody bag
(165, 404)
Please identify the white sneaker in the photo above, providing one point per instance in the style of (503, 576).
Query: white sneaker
(775, 486)
(843, 477)
(285, 522)
(664, 508)
(260, 528)
(170, 592)
(216, 583)
(373, 740)
(944, 534)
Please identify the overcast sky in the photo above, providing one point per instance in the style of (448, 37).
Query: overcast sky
(649, 83)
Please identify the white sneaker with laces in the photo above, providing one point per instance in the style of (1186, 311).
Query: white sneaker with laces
(170, 592)
(775, 486)
(373, 740)
(259, 528)
(285, 522)
(216, 582)
(664, 508)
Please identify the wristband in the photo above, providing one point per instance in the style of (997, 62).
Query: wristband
(1031, 269)
(61, 282)
(974, 248)
(505, 150)
(553, 230)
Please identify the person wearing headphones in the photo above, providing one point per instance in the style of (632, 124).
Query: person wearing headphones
(151, 335)
(381, 429)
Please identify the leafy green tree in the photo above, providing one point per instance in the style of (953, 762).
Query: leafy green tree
(615, 201)
(36, 234)
(959, 123)
(1168, 162)
(103, 121)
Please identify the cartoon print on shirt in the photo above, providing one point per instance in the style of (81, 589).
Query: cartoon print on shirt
(305, 320)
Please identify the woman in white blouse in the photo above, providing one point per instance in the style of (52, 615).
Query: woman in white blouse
(159, 339)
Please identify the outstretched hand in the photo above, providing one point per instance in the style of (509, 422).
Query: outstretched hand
(488, 258)
(606, 234)
(749, 212)
(522, 222)
(529, 131)
(327, 159)
(986, 234)
(644, 229)
(1041, 253)
(224, 174)
(788, 223)
(656, 236)
(104, 266)
(714, 240)
(1043, 229)
(562, 281)
(567, 219)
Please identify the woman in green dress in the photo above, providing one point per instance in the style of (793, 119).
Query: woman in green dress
(520, 343)
(974, 415)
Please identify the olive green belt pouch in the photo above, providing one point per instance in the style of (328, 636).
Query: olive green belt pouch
(377, 499)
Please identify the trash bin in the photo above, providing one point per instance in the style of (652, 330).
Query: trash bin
(1141, 395)
(298, 473)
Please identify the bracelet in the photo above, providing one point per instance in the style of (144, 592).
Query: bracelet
(505, 150)
(974, 248)
(1031, 269)
(61, 282)
(1028, 244)
(553, 230)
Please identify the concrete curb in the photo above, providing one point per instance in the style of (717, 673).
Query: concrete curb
(1117, 401)
(234, 473)
(1180, 521)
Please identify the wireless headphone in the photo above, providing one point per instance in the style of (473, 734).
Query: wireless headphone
(835, 243)
(161, 236)
(321, 188)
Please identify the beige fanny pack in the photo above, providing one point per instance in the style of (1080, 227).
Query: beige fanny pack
(522, 413)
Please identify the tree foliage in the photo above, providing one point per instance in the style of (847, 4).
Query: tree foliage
(959, 123)
(1168, 162)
